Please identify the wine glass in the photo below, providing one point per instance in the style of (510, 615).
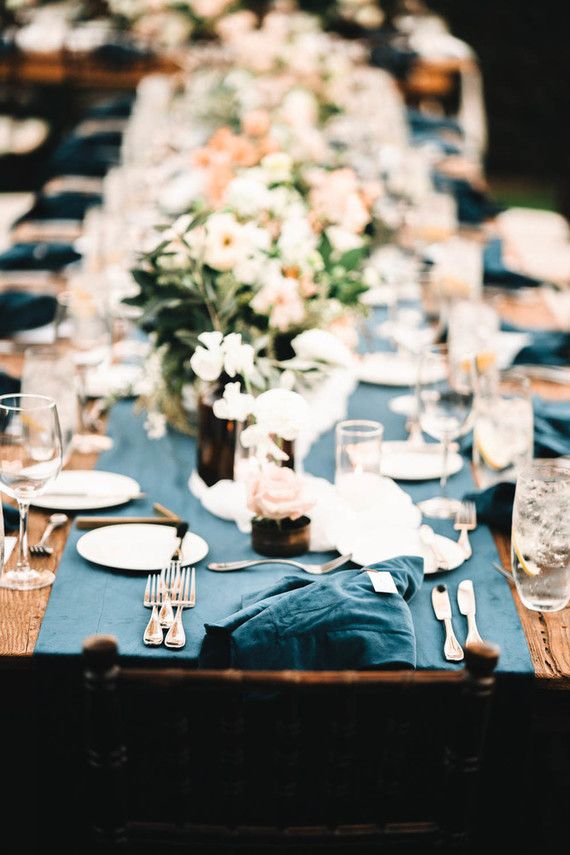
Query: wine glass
(445, 396)
(30, 458)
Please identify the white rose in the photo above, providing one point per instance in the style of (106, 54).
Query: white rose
(180, 192)
(278, 167)
(297, 241)
(281, 412)
(321, 346)
(246, 195)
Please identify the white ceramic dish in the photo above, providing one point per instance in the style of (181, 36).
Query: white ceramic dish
(138, 547)
(85, 489)
(391, 369)
(405, 463)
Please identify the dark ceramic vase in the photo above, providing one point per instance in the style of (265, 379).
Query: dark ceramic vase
(281, 538)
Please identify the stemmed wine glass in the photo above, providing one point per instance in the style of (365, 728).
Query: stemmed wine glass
(30, 458)
(445, 397)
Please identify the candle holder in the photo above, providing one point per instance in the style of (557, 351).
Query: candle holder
(280, 538)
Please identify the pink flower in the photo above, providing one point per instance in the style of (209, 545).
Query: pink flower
(280, 299)
(336, 197)
(277, 494)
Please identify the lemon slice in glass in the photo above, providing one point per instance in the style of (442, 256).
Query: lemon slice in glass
(495, 450)
(529, 567)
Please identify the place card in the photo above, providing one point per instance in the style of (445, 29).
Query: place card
(382, 582)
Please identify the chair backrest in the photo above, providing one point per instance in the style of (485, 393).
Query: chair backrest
(276, 758)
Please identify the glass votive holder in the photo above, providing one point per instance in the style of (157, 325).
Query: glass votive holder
(472, 329)
(358, 458)
(459, 268)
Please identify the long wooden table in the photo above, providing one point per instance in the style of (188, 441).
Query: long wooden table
(548, 634)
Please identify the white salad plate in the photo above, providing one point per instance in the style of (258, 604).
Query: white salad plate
(400, 460)
(138, 546)
(85, 489)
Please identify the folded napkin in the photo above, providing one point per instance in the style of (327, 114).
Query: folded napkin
(496, 272)
(83, 156)
(61, 206)
(11, 518)
(495, 506)
(38, 256)
(22, 311)
(120, 56)
(389, 53)
(324, 624)
(116, 108)
(547, 347)
(473, 205)
(8, 385)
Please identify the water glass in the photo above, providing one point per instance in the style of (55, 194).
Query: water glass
(30, 459)
(540, 541)
(459, 268)
(51, 371)
(503, 429)
(445, 397)
(472, 329)
(358, 457)
(434, 219)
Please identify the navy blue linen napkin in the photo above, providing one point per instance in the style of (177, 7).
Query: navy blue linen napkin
(61, 206)
(324, 624)
(496, 273)
(115, 108)
(495, 506)
(11, 518)
(121, 55)
(473, 205)
(22, 311)
(8, 385)
(83, 156)
(38, 256)
(548, 347)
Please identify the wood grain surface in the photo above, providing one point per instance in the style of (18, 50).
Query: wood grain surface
(548, 634)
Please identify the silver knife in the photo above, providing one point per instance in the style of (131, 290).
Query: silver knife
(452, 650)
(467, 607)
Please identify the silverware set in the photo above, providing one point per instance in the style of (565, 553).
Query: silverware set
(441, 603)
(41, 548)
(164, 593)
(465, 521)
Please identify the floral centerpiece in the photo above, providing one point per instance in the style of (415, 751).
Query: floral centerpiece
(278, 500)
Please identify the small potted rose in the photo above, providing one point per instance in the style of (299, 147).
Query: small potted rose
(278, 500)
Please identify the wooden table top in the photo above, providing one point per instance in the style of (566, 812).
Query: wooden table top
(548, 634)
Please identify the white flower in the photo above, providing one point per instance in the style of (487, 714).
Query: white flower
(321, 346)
(278, 167)
(208, 362)
(343, 240)
(297, 241)
(238, 357)
(226, 242)
(256, 437)
(247, 195)
(181, 191)
(155, 425)
(234, 404)
(281, 412)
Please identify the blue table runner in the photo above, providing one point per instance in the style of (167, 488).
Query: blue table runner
(88, 599)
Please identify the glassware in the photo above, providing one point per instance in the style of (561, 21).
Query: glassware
(30, 458)
(503, 428)
(445, 396)
(540, 542)
(459, 268)
(50, 371)
(434, 219)
(358, 458)
(472, 329)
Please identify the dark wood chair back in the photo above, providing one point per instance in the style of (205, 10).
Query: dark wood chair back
(254, 761)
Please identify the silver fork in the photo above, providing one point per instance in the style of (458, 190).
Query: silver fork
(465, 520)
(153, 633)
(170, 577)
(316, 569)
(185, 598)
(41, 547)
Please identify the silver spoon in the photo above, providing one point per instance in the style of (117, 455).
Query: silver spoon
(316, 569)
(41, 547)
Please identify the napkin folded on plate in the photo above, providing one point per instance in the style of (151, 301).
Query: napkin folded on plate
(473, 205)
(323, 624)
(61, 206)
(496, 271)
(11, 518)
(38, 256)
(22, 311)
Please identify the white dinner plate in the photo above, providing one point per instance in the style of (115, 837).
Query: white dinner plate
(391, 369)
(138, 546)
(86, 489)
(404, 405)
(384, 544)
(405, 463)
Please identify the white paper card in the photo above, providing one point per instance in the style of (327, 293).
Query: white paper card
(382, 582)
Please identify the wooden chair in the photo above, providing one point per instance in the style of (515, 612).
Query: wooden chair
(246, 761)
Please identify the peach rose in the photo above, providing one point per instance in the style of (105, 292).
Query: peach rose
(256, 123)
(277, 494)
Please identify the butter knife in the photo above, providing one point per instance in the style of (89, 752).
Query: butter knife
(452, 650)
(467, 607)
